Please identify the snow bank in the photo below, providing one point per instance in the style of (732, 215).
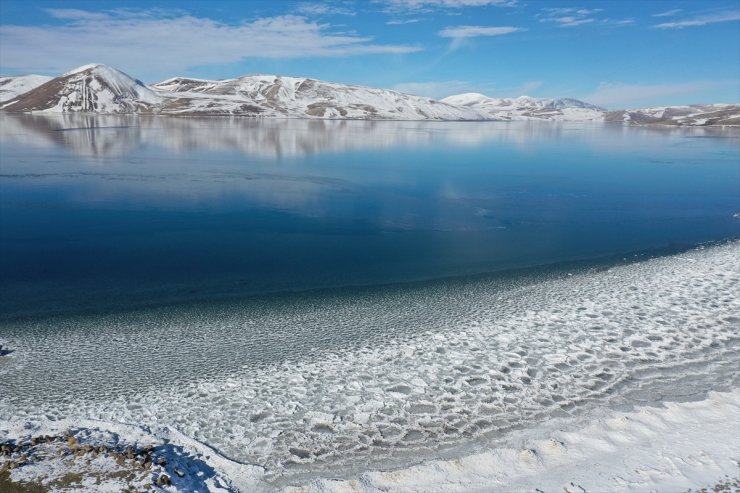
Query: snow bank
(670, 448)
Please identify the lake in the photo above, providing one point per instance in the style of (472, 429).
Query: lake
(106, 212)
(321, 298)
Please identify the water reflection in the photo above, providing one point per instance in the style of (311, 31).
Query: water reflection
(119, 135)
(103, 211)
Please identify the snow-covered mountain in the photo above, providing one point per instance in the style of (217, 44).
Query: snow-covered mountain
(270, 95)
(101, 89)
(90, 88)
(527, 108)
(696, 114)
(10, 87)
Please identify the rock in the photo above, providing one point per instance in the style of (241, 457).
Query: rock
(179, 472)
(164, 480)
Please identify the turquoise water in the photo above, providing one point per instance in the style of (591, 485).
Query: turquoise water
(104, 212)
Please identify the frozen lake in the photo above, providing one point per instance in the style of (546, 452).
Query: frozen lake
(323, 297)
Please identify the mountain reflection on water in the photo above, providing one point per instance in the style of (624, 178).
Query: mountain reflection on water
(118, 135)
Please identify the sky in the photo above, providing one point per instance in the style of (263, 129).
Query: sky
(614, 53)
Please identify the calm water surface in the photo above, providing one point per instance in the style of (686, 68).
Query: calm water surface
(98, 212)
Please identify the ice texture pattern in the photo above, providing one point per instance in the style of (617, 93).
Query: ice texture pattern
(339, 383)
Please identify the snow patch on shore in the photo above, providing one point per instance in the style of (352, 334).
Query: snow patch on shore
(670, 448)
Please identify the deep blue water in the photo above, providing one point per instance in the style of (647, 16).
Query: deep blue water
(106, 212)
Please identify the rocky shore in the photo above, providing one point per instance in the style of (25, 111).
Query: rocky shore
(90, 459)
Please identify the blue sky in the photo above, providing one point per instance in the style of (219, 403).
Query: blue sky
(619, 53)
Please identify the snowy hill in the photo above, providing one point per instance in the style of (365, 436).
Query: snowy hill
(527, 108)
(91, 88)
(695, 114)
(10, 87)
(101, 89)
(270, 95)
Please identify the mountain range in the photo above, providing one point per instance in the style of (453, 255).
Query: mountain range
(98, 88)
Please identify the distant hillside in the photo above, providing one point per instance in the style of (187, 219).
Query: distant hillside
(98, 88)
(697, 114)
(270, 95)
(11, 87)
(526, 108)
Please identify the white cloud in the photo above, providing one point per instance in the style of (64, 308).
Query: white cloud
(568, 10)
(476, 31)
(702, 20)
(617, 94)
(76, 14)
(528, 87)
(323, 9)
(668, 13)
(426, 5)
(435, 89)
(400, 22)
(572, 21)
(569, 17)
(153, 44)
(462, 35)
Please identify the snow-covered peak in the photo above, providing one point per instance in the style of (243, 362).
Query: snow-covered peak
(120, 83)
(83, 68)
(466, 99)
(90, 88)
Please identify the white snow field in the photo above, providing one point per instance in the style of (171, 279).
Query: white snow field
(10, 87)
(457, 385)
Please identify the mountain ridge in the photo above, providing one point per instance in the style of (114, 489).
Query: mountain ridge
(98, 88)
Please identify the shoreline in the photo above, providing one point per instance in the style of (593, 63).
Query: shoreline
(674, 446)
(530, 273)
(608, 358)
(318, 118)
